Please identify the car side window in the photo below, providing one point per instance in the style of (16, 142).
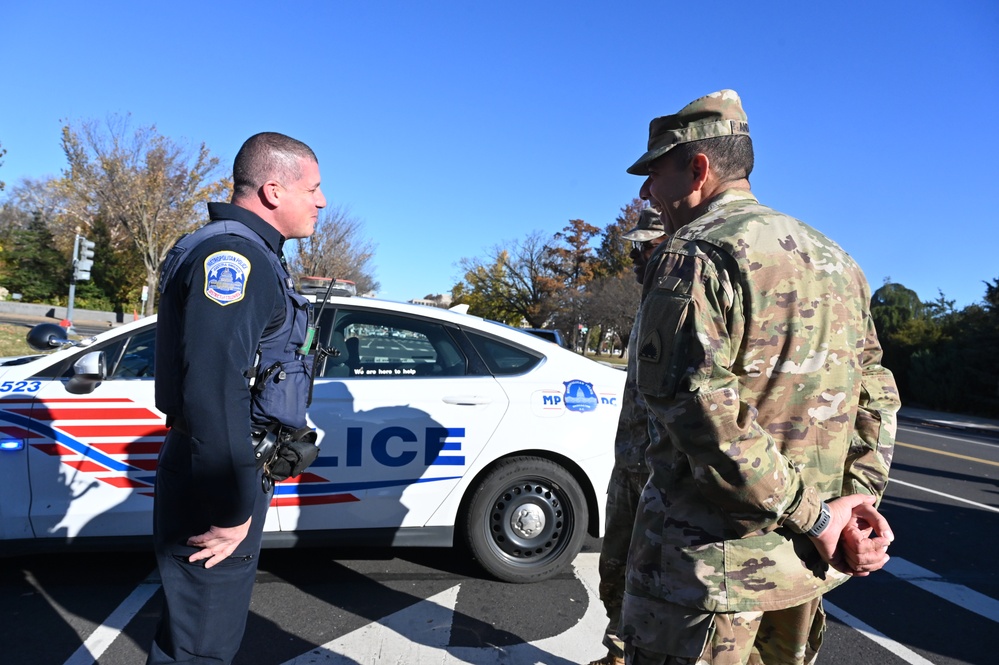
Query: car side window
(377, 345)
(125, 357)
(135, 361)
(502, 358)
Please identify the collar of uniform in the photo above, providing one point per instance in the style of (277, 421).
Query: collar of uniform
(727, 197)
(271, 236)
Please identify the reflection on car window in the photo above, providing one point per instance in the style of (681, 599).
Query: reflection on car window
(502, 358)
(136, 360)
(125, 357)
(373, 345)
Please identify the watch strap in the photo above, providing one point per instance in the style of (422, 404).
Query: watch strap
(822, 523)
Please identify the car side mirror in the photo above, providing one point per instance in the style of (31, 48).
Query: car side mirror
(88, 372)
(47, 336)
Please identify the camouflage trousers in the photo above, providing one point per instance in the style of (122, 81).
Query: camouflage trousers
(780, 637)
(623, 492)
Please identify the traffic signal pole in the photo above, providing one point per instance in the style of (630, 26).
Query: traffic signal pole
(83, 261)
(67, 323)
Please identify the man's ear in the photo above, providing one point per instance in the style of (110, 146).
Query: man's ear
(699, 167)
(270, 193)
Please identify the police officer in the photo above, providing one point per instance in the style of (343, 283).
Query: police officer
(760, 367)
(630, 472)
(229, 363)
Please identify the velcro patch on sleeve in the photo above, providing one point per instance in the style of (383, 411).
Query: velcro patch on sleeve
(662, 338)
(225, 277)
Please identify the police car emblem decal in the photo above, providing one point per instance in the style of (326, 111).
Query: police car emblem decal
(225, 277)
(579, 396)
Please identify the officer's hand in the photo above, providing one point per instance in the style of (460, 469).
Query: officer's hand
(847, 544)
(863, 550)
(218, 542)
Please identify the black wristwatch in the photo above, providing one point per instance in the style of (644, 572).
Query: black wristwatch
(822, 523)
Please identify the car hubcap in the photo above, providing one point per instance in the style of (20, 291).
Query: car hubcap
(530, 521)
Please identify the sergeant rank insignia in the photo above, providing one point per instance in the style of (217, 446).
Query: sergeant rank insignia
(225, 277)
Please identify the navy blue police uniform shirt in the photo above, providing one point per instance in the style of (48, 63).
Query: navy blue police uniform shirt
(211, 319)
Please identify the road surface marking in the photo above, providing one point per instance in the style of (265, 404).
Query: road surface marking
(961, 596)
(949, 496)
(419, 635)
(905, 653)
(962, 439)
(948, 454)
(105, 634)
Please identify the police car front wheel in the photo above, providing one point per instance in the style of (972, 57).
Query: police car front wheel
(527, 520)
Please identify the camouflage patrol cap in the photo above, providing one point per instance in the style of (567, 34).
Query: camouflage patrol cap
(711, 116)
(650, 226)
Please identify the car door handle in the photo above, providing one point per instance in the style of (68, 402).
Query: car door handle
(466, 400)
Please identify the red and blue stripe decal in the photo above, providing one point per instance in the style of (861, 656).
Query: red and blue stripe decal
(126, 458)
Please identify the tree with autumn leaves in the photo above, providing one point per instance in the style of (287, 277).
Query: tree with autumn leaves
(2, 153)
(510, 283)
(581, 276)
(132, 191)
(135, 192)
(560, 281)
(144, 189)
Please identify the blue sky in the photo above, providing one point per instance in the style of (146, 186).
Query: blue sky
(450, 127)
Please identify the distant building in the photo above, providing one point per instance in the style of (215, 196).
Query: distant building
(442, 300)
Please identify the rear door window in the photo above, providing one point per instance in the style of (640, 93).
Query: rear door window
(503, 358)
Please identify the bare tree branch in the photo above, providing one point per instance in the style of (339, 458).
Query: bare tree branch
(147, 188)
(337, 249)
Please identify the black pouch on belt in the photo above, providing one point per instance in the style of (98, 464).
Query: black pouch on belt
(295, 451)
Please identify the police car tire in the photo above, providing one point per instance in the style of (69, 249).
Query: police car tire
(527, 520)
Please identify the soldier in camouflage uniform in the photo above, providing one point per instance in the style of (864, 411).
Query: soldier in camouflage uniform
(630, 473)
(760, 367)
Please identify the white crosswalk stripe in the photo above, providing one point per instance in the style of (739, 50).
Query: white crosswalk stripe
(419, 635)
(960, 595)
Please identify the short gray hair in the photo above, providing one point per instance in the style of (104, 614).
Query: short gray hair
(267, 156)
(731, 157)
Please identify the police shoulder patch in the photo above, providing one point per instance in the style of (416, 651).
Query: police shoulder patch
(225, 277)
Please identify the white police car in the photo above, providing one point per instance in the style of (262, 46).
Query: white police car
(436, 428)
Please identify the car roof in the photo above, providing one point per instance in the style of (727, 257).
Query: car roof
(455, 317)
(458, 318)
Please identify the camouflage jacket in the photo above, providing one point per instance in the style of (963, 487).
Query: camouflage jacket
(759, 363)
(633, 426)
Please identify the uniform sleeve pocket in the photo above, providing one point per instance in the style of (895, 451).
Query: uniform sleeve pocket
(662, 340)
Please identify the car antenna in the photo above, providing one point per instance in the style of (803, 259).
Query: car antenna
(322, 352)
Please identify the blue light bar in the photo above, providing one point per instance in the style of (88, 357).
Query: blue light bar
(12, 444)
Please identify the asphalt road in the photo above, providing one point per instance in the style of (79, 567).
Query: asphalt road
(936, 602)
(940, 594)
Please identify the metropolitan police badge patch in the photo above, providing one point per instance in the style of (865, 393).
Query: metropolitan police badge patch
(225, 277)
(579, 396)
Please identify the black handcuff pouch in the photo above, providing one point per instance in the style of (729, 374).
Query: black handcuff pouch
(284, 453)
